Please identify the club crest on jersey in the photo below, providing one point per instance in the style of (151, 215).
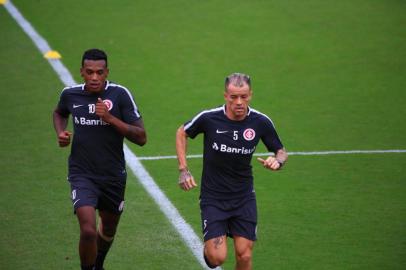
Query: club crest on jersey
(249, 134)
(108, 103)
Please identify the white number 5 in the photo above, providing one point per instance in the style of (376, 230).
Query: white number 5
(235, 136)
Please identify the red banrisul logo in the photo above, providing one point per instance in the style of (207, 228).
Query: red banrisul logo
(249, 134)
(108, 103)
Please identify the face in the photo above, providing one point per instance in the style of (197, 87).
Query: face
(94, 73)
(237, 101)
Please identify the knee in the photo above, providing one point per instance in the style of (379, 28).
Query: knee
(88, 233)
(108, 231)
(244, 257)
(216, 258)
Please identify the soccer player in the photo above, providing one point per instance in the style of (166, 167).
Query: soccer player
(227, 195)
(103, 113)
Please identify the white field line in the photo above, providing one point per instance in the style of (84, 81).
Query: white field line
(313, 153)
(170, 211)
(41, 44)
(183, 228)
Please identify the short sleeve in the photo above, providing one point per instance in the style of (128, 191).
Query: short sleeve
(195, 126)
(63, 106)
(270, 137)
(128, 108)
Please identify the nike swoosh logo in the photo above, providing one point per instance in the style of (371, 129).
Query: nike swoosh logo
(221, 131)
(76, 202)
(76, 106)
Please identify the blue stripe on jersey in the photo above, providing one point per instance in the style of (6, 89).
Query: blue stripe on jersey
(201, 113)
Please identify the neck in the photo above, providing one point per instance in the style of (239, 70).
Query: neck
(230, 115)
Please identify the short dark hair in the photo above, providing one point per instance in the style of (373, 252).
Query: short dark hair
(94, 54)
(237, 79)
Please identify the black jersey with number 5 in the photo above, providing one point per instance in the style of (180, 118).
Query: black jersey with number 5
(97, 147)
(228, 149)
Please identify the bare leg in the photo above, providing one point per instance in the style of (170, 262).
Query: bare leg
(243, 253)
(215, 250)
(87, 243)
(105, 235)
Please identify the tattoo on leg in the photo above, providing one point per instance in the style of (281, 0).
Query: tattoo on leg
(218, 242)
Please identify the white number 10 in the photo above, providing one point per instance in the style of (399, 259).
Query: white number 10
(92, 108)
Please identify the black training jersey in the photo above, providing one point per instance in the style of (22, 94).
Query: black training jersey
(97, 148)
(228, 149)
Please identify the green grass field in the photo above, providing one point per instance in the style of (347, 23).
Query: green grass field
(331, 74)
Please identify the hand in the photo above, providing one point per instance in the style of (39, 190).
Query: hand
(186, 181)
(270, 163)
(102, 111)
(64, 138)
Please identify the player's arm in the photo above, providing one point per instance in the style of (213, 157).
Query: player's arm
(60, 124)
(134, 132)
(186, 181)
(275, 162)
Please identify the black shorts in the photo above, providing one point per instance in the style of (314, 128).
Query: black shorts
(103, 194)
(231, 218)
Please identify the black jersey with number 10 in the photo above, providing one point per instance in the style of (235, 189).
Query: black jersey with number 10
(97, 147)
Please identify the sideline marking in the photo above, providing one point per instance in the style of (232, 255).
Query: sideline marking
(183, 228)
(40, 43)
(314, 153)
(166, 206)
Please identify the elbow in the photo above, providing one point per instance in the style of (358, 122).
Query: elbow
(142, 140)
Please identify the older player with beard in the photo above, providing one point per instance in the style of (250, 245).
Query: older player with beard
(227, 195)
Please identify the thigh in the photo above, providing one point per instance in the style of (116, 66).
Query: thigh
(243, 246)
(108, 222)
(216, 248)
(87, 218)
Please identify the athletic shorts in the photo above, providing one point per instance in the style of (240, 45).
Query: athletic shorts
(231, 218)
(103, 194)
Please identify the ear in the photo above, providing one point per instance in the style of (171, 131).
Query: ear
(107, 72)
(81, 72)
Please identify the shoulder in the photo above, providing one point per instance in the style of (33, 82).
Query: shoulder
(118, 87)
(205, 114)
(259, 116)
(70, 91)
(210, 112)
(73, 88)
(120, 91)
